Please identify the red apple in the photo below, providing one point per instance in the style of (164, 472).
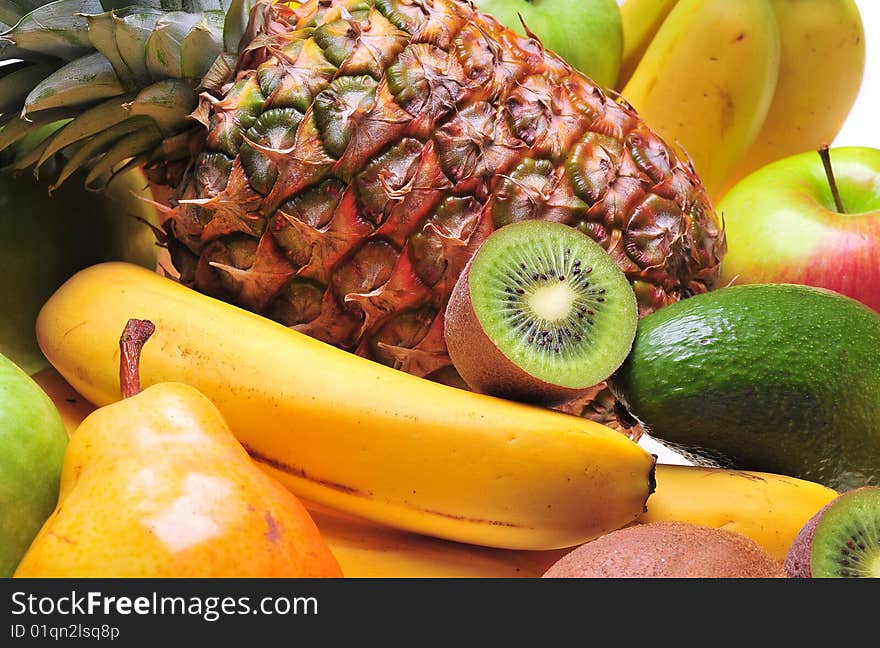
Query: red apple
(784, 224)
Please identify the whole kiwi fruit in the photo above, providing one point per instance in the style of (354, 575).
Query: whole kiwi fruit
(668, 550)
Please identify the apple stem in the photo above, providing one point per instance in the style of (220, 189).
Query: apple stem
(134, 336)
(825, 154)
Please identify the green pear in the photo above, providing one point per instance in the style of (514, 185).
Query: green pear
(32, 445)
(588, 34)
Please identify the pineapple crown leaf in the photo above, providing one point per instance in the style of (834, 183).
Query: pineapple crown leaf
(141, 60)
(83, 81)
(91, 122)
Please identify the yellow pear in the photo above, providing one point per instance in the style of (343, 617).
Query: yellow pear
(156, 485)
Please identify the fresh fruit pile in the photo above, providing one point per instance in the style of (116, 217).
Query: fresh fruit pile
(422, 285)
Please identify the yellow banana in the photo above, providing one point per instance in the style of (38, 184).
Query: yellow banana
(820, 74)
(707, 79)
(640, 19)
(363, 549)
(366, 550)
(352, 434)
(770, 509)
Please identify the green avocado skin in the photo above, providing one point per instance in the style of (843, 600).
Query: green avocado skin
(32, 445)
(779, 378)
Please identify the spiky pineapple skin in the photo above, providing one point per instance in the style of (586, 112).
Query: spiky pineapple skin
(364, 149)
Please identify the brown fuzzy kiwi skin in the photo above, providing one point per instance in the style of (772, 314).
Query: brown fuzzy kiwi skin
(797, 560)
(482, 365)
(668, 550)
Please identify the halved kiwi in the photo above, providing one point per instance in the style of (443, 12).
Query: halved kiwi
(541, 313)
(840, 541)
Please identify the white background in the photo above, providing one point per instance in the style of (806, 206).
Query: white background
(861, 128)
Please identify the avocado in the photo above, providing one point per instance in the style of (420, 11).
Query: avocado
(779, 378)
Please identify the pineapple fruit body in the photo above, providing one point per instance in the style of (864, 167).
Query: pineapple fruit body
(345, 158)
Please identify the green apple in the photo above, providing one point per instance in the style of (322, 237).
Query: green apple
(45, 239)
(32, 444)
(588, 34)
(784, 225)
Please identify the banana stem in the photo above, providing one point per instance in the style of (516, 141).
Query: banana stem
(825, 154)
(131, 343)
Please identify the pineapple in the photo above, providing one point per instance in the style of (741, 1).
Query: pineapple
(333, 165)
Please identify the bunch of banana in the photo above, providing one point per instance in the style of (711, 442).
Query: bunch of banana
(741, 83)
(352, 434)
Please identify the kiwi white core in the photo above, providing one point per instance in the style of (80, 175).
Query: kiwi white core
(554, 302)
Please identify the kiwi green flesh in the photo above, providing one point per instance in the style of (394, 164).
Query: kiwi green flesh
(846, 541)
(553, 302)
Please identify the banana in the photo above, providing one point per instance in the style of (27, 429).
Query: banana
(768, 508)
(707, 79)
(349, 433)
(820, 74)
(366, 550)
(363, 549)
(641, 19)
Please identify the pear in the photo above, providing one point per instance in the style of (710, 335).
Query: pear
(32, 444)
(156, 485)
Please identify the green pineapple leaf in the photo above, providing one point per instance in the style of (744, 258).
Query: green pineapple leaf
(132, 30)
(82, 81)
(168, 103)
(102, 34)
(98, 145)
(17, 83)
(140, 141)
(91, 122)
(58, 29)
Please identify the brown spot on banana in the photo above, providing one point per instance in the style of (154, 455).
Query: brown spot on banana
(351, 490)
(751, 476)
(302, 474)
(464, 518)
(728, 111)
